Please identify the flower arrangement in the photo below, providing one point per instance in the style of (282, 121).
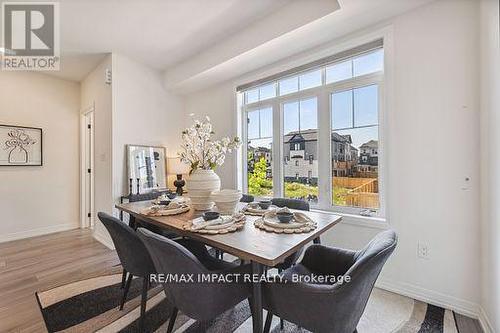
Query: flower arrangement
(200, 151)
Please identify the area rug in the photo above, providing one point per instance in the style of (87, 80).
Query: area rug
(92, 305)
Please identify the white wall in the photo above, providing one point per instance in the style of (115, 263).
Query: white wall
(37, 200)
(95, 92)
(144, 113)
(490, 166)
(436, 113)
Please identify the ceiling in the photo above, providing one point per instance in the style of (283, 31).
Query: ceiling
(159, 33)
(187, 38)
(353, 16)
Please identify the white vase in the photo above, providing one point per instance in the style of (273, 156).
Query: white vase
(200, 184)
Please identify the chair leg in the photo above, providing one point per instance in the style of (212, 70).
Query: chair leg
(125, 291)
(269, 320)
(124, 278)
(171, 321)
(144, 299)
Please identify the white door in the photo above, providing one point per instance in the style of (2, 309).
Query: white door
(87, 168)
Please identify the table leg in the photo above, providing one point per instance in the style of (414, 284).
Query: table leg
(257, 299)
(131, 222)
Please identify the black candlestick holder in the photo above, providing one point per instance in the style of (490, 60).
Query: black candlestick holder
(179, 183)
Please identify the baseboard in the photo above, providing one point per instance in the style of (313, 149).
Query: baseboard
(104, 239)
(485, 322)
(458, 305)
(37, 232)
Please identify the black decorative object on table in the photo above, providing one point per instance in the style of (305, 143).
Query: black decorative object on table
(130, 181)
(264, 204)
(209, 216)
(284, 217)
(179, 183)
(138, 185)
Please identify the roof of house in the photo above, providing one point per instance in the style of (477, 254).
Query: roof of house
(370, 144)
(312, 135)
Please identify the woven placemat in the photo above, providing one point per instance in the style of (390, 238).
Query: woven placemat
(165, 212)
(308, 227)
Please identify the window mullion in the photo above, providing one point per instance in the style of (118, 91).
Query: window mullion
(324, 142)
(277, 150)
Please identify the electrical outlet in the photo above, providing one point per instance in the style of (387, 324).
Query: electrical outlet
(423, 251)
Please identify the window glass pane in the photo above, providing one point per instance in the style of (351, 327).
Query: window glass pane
(369, 63)
(259, 166)
(289, 85)
(310, 80)
(341, 103)
(355, 167)
(253, 124)
(300, 150)
(366, 106)
(290, 117)
(267, 91)
(252, 95)
(266, 122)
(308, 111)
(339, 72)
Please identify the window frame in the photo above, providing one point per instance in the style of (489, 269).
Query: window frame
(322, 93)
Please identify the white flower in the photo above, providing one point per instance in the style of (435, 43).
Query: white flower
(200, 151)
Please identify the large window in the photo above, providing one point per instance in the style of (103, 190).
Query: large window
(300, 149)
(260, 152)
(324, 125)
(354, 115)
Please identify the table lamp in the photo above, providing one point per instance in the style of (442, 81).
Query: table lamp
(178, 168)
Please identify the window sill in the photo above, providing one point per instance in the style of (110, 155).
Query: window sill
(374, 222)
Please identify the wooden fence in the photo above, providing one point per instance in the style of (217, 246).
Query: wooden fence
(362, 192)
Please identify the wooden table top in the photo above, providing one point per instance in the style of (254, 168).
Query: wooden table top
(249, 243)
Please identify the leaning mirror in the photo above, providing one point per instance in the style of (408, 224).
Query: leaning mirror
(146, 167)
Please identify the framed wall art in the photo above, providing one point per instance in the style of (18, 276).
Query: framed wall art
(20, 146)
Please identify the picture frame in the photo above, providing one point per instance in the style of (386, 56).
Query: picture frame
(21, 146)
(146, 167)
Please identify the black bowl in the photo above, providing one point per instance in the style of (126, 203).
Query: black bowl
(208, 216)
(284, 217)
(164, 202)
(264, 204)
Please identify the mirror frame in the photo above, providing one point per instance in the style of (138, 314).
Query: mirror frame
(147, 189)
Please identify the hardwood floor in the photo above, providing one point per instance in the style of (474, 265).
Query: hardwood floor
(43, 262)
(40, 263)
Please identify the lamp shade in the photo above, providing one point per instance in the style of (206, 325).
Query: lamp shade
(176, 167)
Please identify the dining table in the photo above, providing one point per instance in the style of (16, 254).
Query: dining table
(259, 247)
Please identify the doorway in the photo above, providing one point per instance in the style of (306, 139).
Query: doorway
(87, 168)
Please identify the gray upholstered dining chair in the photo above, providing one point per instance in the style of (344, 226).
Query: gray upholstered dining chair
(247, 198)
(329, 307)
(291, 203)
(133, 223)
(200, 301)
(137, 261)
(133, 255)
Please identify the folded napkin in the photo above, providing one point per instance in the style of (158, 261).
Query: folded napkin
(174, 204)
(298, 217)
(199, 223)
(253, 207)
